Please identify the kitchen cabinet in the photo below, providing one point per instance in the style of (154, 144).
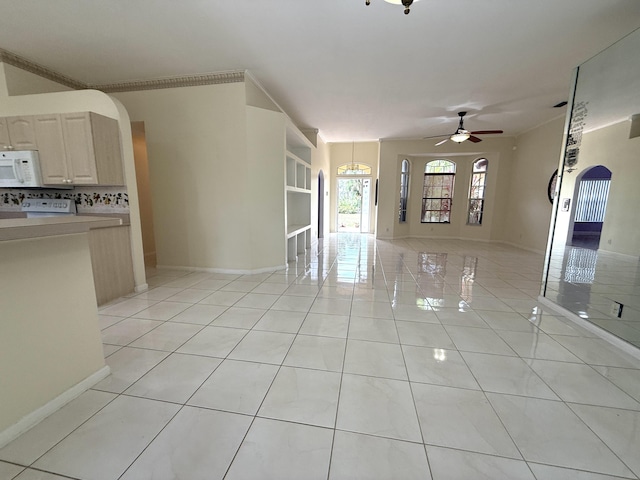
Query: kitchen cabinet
(18, 133)
(51, 149)
(79, 149)
(111, 261)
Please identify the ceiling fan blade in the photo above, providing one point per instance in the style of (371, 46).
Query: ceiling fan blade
(441, 142)
(437, 136)
(485, 132)
(474, 139)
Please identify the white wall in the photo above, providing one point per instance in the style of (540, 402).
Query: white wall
(528, 208)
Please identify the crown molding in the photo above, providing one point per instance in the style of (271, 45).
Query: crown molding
(174, 82)
(24, 64)
(234, 76)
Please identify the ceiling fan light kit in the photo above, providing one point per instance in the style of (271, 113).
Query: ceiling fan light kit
(405, 3)
(459, 137)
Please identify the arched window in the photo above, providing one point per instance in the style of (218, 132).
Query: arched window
(437, 194)
(476, 191)
(354, 169)
(404, 190)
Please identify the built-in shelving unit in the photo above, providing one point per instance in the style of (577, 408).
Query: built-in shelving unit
(298, 193)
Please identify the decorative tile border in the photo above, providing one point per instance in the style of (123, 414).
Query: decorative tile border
(88, 199)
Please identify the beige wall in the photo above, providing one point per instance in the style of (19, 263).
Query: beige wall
(499, 153)
(612, 148)
(342, 153)
(264, 204)
(51, 341)
(321, 161)
(528, 210)
(21, 82)
(196, 141)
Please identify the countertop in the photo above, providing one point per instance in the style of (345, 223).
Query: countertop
(23, 228)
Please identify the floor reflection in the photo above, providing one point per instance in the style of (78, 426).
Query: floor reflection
(587, 282)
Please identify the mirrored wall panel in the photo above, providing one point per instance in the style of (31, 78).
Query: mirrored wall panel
(593, 267)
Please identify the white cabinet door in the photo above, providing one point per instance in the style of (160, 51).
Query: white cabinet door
(78, 140)
(22, 133)
(53, 162)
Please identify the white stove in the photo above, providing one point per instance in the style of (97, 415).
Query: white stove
(47, 207)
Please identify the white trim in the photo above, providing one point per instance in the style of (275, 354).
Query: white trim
(592, 327)
(224, 270)
(32, 419)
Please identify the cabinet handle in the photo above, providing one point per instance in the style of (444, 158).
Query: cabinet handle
(9, 147)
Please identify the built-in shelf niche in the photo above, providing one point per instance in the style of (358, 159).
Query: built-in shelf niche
(298, 194)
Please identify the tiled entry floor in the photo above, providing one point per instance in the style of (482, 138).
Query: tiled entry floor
(390, 360)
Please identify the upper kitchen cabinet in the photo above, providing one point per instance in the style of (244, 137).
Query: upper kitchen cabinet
(79, 149)
(18, 133)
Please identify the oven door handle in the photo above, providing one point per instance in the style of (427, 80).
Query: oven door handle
(17, 170)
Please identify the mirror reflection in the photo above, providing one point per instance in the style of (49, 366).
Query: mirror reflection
(593, 267)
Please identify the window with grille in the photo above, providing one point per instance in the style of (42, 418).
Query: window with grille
(476, 191)
(404, 190)
(437, 195)
(592, 200)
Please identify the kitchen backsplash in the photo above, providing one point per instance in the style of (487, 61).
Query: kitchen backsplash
(88, 199)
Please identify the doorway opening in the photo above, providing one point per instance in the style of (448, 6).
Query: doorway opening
(354, 204)
(144, 193)
(589, 207)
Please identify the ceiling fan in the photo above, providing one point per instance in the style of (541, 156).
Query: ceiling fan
(460, 135)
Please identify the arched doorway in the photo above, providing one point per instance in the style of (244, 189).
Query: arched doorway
(320, 204)
(590, 203)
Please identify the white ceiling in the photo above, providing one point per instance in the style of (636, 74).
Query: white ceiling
(351, 71)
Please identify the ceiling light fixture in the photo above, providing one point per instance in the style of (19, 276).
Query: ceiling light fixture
(460, 136)
(406, 3)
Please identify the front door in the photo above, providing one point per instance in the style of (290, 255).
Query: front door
(354, 204)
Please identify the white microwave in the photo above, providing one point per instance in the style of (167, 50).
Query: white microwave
(20, 169)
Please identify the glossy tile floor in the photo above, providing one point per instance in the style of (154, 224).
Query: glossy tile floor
(371, 360)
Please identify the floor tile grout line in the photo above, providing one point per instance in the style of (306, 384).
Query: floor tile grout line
(335, 422)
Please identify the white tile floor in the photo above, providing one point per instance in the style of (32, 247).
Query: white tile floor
(372, 360)
(587, 282)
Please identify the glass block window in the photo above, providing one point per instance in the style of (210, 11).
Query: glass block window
(404, 190)
(437, 194)
(476, 191)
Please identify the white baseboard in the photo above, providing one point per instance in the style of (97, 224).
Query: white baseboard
(592, 327)
(32, 419)
(224, 270)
